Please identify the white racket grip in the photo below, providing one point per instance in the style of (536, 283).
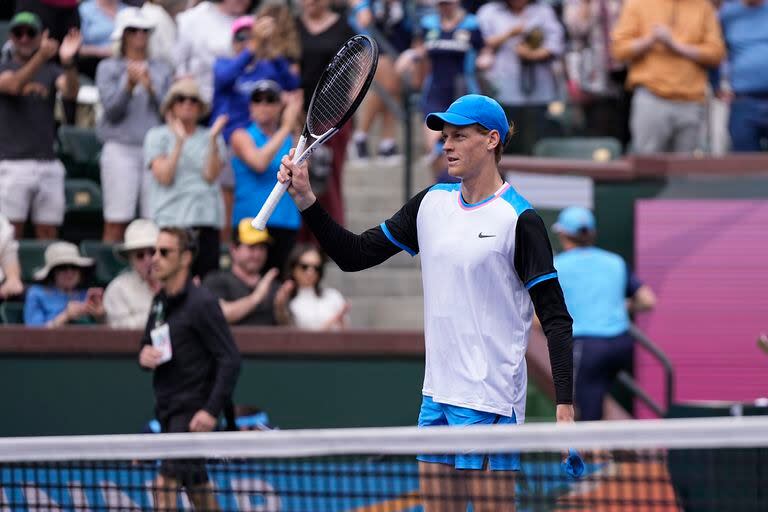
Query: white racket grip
(260, 222)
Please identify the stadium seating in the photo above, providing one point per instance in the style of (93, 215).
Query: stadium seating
(580, 148)
(83, 218)
(12, 312)
(31, 257)
(79, 150)
(108, 264)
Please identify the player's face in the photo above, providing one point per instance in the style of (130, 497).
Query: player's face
(250, 258)
(466, 150)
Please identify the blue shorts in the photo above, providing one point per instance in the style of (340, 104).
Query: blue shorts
(433, 414)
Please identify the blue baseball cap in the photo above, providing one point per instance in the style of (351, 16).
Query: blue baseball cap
(574, 219)
(472, 109)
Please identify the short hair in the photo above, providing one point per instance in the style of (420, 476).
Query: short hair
(186, 238)
(499, 149)
(583, 238)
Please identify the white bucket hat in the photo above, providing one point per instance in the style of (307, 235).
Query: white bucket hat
(140, 234)
(61, 253)
(130, 17)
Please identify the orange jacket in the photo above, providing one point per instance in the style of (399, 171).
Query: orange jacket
(662, 71)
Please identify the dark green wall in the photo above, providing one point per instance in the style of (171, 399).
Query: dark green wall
(62, 396)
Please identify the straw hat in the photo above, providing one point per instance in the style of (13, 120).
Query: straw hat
(184, 87)
(61, 253)
(140, 234)
(130, 17)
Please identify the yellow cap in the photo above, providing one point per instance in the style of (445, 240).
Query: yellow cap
(249, 235)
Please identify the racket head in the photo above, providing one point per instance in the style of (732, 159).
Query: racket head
(343, 85)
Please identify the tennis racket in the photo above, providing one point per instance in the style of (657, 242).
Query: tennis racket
(338, 93)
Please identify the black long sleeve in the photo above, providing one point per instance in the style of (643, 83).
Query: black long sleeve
(351, 252)
(217, 338)
(549, 303)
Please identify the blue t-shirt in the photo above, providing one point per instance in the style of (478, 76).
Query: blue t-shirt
(252, 188)
(452, 55)
(745, 30)
(233, 82)
(44, 303)
(596, 284)
(95, 25)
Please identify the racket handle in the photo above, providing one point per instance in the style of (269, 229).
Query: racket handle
(260, 221)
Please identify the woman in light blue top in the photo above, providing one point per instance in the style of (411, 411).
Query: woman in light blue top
(185, 160)
(258, 150)
(61, 297)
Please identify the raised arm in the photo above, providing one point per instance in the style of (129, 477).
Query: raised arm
(12, 82)
(350, 251)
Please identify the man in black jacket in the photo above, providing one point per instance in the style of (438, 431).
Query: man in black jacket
(188, 344)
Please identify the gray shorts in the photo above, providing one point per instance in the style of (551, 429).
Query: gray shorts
(660, 125)
(124, 182)
(32, 185)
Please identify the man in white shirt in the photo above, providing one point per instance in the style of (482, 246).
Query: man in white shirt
(128, 297)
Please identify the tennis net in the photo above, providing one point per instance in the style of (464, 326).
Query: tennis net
(715, 464)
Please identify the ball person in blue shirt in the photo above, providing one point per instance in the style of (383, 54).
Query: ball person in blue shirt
(486, 266)
(598, 288)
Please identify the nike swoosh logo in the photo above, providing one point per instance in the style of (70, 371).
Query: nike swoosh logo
(481, 235)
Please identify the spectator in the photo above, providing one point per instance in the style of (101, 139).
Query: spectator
(185, 160)
(10, 270)
(61, 297)
(97, 24)
(524, 37)
(128, 297)
(447, 44)
(162, 13)
(388, 17)
(235, 78)
(745, 28)
(205, 34)
(313, 306)
(668, 45)
(598, 286)
(131, 87)
(598, 76)
(189, 347)
(57, 16)
(322, 32)
(31, 178)
(246, 297)
(258, 150)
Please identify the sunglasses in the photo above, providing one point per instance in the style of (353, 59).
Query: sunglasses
(181, 98)
(20, 32)
(134, 30)
(164, 251)
(242, 35)
(143, 253)
(304, 267)
(265, 97)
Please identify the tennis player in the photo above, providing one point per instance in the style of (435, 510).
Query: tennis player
(487, 265)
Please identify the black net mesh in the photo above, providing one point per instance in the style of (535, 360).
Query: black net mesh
(346, 80)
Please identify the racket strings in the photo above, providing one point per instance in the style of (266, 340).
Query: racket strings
(347, 76)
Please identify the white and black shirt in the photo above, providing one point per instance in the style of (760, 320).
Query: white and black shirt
(485, 267)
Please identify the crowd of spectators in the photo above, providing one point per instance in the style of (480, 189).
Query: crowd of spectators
(199, 100)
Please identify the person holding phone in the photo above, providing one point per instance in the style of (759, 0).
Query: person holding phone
(62, 298)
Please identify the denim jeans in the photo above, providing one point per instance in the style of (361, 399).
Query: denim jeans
(748, 123)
